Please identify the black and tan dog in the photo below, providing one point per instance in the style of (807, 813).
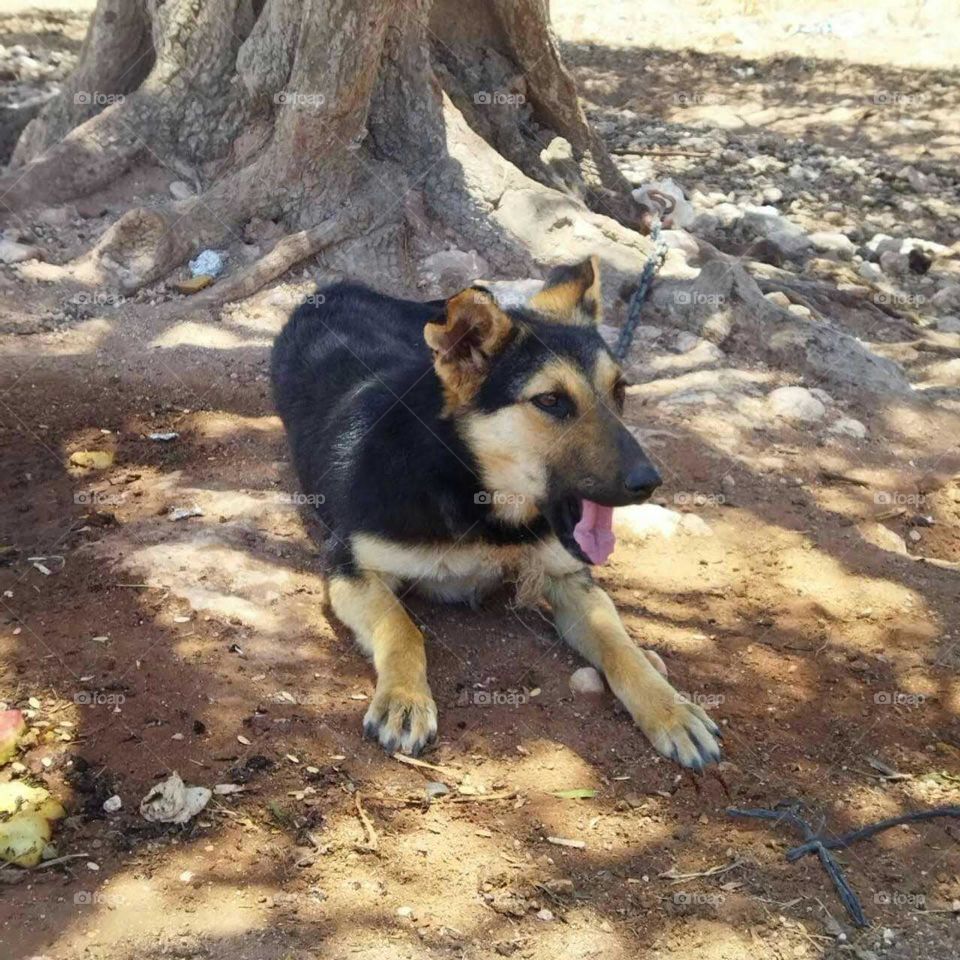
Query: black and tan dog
(454, 445)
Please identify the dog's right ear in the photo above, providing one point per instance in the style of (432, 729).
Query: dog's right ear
(471, 332)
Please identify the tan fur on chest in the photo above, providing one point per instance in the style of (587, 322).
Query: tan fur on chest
(456, 572)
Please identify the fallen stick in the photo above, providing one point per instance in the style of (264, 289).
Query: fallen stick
(672, 874)
(564, 842)
(423, 765)
(844, 841)
(654, 152)
(815, 843)
(480, 797)
(830, 475)
(372, 842)
(789, 815)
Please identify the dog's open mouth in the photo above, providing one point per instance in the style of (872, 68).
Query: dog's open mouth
(584, 527)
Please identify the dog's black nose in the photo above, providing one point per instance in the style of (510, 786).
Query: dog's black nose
(643, 479)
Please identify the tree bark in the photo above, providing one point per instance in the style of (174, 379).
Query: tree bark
(333, 116)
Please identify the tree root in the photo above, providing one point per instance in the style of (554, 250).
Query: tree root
(286, 254)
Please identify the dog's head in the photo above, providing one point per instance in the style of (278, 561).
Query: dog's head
(538, 398)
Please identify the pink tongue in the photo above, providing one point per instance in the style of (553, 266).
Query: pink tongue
(594, 532)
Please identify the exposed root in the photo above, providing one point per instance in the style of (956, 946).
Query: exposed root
(286, 254)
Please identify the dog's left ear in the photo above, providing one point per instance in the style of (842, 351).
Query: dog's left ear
(571, 294)
(472, 331)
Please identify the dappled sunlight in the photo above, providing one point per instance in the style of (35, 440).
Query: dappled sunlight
(219, 425)
(812, 574)
(192, 334)
(128, 903)
(85, 337)
(222, 579)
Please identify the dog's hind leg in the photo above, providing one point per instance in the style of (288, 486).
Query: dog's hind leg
(402, 715)
(586, 618)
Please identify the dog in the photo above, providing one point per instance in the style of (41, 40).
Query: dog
(457, 444)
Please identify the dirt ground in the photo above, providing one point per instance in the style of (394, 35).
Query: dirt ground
(139, 645)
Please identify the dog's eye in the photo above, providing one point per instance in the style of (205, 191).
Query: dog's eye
(558, 405)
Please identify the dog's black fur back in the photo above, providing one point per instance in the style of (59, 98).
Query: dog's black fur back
(354, 385)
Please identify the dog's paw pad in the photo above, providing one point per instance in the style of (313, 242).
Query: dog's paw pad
(684, 732)
(401, 721)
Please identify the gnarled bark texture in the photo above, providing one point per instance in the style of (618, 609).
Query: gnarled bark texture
(363, 119)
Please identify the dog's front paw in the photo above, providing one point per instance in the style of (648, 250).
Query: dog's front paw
(402, 719)
(680, 730)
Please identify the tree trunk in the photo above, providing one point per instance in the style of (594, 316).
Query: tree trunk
(372, 119)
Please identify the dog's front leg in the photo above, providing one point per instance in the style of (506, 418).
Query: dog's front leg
(586, 618)
(402, 715)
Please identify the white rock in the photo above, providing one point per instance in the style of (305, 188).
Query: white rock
(848, 427)
(181, 190)
(796, 403)
(831, 242)
(927, 246)
(949, 324)
(881, 243)
(686, 342)
(641, 521)
(112, 804)
(727, 213)
(772, 195)
(405, 912)
(799, 310)
(778, 297)
(586, 682)
(13, 252)
(882, 537)
(869, 271)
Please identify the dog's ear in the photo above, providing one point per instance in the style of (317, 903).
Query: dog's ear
(571, 294)
(463, 341)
